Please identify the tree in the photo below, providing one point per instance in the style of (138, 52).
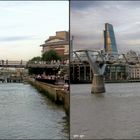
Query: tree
(35, 59)
(50, 55)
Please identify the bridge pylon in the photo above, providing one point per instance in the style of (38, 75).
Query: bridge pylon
(98, 84)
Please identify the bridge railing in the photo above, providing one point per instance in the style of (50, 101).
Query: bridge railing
(7, 62)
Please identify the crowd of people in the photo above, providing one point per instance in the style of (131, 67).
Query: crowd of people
(51, 62)
(54, 79)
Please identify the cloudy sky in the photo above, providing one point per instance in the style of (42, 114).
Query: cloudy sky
(25, 25)
(88, 19)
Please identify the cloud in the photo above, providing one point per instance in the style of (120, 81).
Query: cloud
(82, 5)
(88, 19)
(26, 24)
(16, 38)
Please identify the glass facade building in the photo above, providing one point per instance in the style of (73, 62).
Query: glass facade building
(109, 40)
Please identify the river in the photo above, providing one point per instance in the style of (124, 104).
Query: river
(27, 114)
(114, 114)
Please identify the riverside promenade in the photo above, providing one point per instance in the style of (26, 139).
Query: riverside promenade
(56, 93)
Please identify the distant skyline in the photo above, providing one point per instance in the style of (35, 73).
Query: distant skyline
(88, 20)
(25, 25)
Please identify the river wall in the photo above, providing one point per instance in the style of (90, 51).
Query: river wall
(54, 92)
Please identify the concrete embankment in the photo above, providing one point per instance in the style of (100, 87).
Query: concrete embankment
(54, 92)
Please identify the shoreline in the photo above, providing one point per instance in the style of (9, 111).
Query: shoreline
(54, 92)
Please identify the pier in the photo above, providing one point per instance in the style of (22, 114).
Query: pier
(12, 74)
(11, 79)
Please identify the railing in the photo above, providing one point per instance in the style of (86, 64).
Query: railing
(7, 63)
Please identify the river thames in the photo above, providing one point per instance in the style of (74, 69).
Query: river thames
(27, 114)
(114, 114)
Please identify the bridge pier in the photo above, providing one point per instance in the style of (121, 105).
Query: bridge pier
(98, 84)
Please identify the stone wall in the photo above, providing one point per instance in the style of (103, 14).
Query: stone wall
(53, 92)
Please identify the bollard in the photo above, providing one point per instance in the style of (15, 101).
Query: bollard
(98, 84)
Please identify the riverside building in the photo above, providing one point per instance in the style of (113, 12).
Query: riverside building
(59, 43)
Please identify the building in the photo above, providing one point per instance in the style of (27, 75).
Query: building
(132, 57)
(80, 72)
(134, 71)
(116, 72)
(59, 43)
(109, 40)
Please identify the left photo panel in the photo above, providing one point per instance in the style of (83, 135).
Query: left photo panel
(34, 70)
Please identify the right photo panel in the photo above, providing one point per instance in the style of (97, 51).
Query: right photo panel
(105, 70)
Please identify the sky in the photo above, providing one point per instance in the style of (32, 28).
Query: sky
(25, 25)
(88, 18)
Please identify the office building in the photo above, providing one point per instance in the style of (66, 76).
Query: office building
(109, 40)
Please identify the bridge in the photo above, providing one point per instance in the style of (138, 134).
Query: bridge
(92, 56)
(98, 61)
(13, 64)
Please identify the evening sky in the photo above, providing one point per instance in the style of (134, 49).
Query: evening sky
(25, 25)
(88, 19)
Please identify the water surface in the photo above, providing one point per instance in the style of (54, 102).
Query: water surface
(27, 114)
(114, 114)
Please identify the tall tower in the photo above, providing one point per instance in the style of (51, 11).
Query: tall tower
(71, 48)
(109, 40)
